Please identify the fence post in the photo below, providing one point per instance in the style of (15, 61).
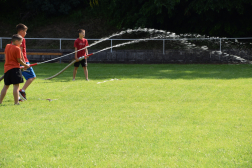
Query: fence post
(60, 49)
(163, 47)
(60, 44)
(111, 46)
(220, 49)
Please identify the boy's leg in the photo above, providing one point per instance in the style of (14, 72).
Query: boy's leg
(84, 65)
(74, 72)
(85, 72)
(29, 76)
(3, 92)
(15, 93)
(27, 83)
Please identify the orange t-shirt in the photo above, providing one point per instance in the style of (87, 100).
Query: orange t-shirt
(12, 53)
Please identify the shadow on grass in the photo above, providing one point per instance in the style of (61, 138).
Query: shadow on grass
(147, 71)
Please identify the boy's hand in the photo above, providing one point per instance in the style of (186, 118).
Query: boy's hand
(26, 66)
(87, 56)
(77, 60)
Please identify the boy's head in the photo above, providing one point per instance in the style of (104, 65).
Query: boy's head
(21, 29)
(17, 39)
(81, 33)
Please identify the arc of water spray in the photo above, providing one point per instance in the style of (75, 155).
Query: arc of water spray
(118, 45)
(151, 31)
(113, 35)
(205, 48)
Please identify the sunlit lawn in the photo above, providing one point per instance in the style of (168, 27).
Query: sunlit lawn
(147, 116)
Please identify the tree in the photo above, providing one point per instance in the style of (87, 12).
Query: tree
(135, 13)
(209, 17)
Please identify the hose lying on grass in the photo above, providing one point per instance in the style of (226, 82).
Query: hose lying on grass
(61, 70)
(118, 45)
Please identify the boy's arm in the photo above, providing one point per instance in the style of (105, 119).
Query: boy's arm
(86, 52)
(75, 55)
(22, 56)
(22, 63)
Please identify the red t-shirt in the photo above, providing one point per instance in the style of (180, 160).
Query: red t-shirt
(12, 53)
(79, 44)
(24, 50)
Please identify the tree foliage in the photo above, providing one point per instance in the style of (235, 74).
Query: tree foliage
(209, 17)
(47, 7)
(135, 13)
(221, 17)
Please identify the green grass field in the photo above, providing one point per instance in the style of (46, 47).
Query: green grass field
(154, 116)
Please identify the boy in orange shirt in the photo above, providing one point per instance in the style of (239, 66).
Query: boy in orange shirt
(12, 71)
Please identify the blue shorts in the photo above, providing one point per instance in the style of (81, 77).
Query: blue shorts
(28, 73)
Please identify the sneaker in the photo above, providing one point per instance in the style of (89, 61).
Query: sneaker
(87, 79)
(17, 104)
(21, 100)
(22, 94)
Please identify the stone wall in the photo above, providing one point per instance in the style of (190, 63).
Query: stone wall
(151, 56)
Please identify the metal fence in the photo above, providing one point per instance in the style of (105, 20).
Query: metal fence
(111, 40)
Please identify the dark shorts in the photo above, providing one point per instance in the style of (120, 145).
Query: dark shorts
(82, 62)
(13, 76)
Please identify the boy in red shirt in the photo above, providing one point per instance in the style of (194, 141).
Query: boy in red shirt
(12, 72)
(80, 43)
(29, 75)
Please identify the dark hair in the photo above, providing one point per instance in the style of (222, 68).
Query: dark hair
(81, 30)
(16, 37)
(21, 26)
